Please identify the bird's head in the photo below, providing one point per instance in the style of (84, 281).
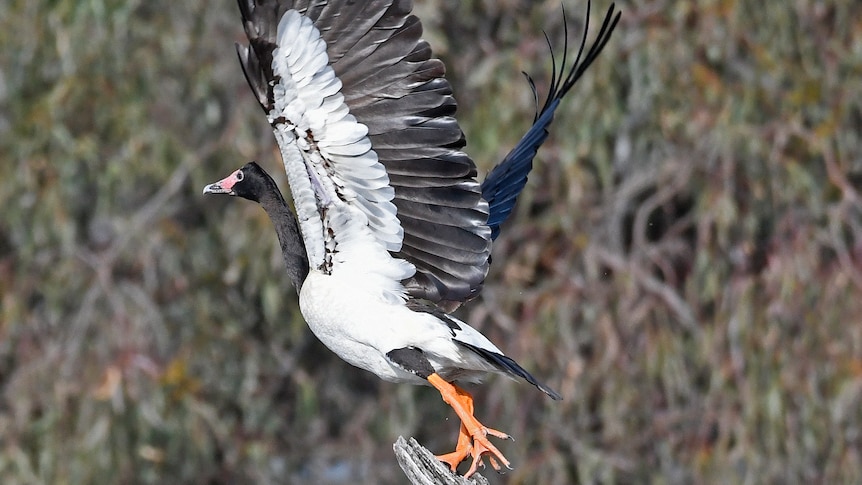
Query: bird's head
(249, 182)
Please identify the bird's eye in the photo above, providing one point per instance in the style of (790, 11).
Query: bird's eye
(239, 176)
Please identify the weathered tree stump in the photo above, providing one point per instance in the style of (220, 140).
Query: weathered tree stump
(423, 468)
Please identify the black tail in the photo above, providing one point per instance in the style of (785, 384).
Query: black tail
(511, 367)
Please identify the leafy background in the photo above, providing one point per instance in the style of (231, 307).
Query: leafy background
(685, 265)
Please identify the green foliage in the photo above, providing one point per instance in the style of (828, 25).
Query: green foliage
(685, 265)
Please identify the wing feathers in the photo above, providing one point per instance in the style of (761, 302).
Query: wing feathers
(505, 182)
(397, 92)
(307, 101)
(427, 161)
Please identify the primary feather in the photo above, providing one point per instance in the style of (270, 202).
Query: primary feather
(506, 180)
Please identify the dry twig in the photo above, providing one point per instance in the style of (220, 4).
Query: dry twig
(423, 468)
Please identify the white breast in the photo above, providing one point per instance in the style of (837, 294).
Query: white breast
(356, 321)
(361, 323)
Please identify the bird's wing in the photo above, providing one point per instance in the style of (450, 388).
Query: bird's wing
(506, 180)
(393, 86)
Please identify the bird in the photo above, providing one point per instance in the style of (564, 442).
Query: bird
(392, 231)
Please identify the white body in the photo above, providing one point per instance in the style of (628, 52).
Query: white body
(360, 327)
(352, 299)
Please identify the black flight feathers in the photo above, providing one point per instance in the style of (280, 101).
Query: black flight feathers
(392, 85)
(504, 183)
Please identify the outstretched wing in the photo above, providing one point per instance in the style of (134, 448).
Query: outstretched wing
(393, 86)
(506, 180)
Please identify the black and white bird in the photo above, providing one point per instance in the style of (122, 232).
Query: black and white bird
(392, 230)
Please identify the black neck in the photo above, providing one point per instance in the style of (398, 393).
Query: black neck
(287, 228)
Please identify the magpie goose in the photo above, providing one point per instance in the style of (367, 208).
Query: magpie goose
(392, 230)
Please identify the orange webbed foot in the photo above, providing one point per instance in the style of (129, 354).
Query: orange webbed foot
(473, 435)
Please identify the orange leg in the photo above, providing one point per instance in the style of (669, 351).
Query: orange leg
(471, 429)
(465, 442)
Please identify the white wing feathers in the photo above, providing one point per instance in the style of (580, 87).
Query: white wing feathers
(339, 163)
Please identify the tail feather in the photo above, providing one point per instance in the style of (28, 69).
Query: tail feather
(509, 366)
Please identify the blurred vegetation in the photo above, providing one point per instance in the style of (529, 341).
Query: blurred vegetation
(685, 265)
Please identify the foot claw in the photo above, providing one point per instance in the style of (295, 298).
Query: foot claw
(498, 434)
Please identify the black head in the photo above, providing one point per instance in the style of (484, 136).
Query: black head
(249, 182)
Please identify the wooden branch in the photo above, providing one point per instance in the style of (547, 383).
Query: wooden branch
(423, 468)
